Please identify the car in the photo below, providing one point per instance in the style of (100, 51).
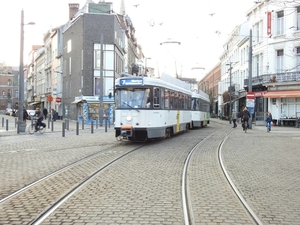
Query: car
(8, 111)
(31, 113)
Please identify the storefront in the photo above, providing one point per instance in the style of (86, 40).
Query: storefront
(88, 109)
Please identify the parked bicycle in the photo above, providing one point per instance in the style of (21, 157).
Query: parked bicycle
(41, 128)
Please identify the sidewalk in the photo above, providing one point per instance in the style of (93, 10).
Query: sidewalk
(70, 126)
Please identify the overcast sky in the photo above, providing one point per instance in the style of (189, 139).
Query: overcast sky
(189, 22)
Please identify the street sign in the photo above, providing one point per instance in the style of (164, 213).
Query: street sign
(250, 95)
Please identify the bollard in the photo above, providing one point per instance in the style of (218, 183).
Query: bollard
(105, 125)
(52, 125)
(7, 125)
(49, 123)
(63, 129)
(15, 122)
(92, 127)
(2, 121)
(96, 124)
(82, 124)
(108, 124)
(77, 128)
(67, 124)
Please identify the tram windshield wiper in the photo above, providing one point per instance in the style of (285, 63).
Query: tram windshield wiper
(130, 106)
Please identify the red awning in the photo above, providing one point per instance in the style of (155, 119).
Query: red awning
(282, 94)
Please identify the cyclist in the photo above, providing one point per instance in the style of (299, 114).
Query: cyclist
(40, 117)
(245, 117)
(269, 121)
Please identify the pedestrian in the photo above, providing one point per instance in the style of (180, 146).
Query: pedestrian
(234, 117)
(269, 120)
(45, 112)
(25, 114)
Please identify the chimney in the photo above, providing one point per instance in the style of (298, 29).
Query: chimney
(73, 9)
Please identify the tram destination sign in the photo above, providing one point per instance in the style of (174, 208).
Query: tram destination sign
(131, 81)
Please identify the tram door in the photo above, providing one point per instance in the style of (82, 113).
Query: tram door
(178, 121)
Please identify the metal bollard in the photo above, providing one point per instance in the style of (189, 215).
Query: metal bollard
(105, 125)
(96, 124)
(2, 121)
(77, 128)
(82, 124)
(52, 125)
(92, 127)
(7, 125)
(49, 123)
(67, 123)
(63, 129)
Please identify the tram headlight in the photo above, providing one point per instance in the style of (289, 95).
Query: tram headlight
(128, 118)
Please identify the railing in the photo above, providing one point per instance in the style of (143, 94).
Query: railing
(274, 77)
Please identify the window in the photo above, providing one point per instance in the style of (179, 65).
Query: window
(70, 65)
(9, 83)
(298, 59)
(280, 22)
(279, 61)
(69, 46)
(298, 18)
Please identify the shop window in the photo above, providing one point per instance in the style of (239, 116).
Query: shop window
(274, 101)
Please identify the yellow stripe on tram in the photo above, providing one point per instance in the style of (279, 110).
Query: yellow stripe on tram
(178, 121)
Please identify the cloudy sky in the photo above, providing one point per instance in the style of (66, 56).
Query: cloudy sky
(201, 27)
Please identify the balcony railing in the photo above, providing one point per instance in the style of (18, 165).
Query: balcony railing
(274, 77)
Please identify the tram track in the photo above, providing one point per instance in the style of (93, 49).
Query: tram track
(187, 200)
(40, 198)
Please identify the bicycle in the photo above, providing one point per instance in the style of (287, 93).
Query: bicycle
(41, 128)
(268, 126)
(245, 126)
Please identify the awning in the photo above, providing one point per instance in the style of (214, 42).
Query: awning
(282, 94)
(76, 101)
(34, 103)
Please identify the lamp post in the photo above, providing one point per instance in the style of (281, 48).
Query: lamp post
(21, 72)
(230, 68)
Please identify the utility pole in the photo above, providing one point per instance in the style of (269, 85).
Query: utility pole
(101, 82)
(230, 107)
(250, 75)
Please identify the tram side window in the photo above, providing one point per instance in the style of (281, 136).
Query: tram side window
(172, 96)
(162, 97)
(189, 102)
(167, 99)
(156, 95)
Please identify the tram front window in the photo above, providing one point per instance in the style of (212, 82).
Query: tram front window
(133, 98)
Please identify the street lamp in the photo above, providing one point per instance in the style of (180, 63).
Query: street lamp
(230, 68)
(21, 71)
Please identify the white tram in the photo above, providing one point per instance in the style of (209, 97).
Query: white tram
(150, 108)
(200, 109)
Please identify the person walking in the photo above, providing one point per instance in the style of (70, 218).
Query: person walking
(45, 112)
(234, 117)
(269, 121)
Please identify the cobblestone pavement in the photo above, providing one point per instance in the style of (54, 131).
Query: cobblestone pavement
(145, 186)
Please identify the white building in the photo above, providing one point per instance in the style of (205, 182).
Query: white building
(275, 74)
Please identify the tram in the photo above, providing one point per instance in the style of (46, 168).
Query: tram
(200, 109)
(151, 108)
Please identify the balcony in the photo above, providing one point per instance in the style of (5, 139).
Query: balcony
(275, 77)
